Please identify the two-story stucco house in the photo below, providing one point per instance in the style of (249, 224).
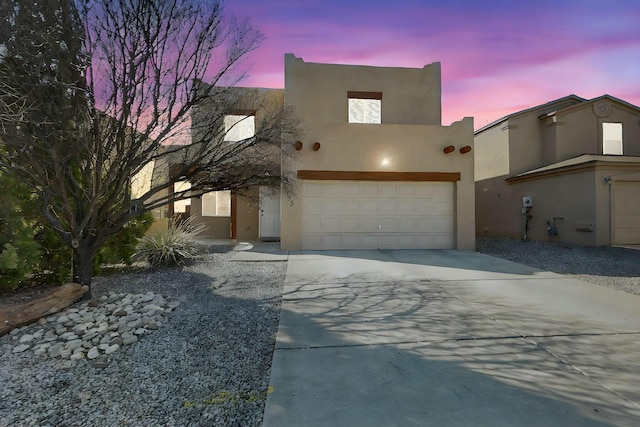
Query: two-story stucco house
(373, 167)
(567, 170)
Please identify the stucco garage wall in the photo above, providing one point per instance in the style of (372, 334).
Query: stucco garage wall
(415, 148)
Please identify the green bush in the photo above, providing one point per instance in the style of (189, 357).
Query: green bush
(19, 252)
(171, 246)
(121, 247)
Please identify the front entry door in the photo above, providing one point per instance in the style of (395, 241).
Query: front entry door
(269, 227)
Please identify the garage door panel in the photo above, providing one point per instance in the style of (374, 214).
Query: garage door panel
(627, 213)
(387, 206)
(370, 215)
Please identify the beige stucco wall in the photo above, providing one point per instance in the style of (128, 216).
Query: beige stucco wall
(218, 227)
(248, 215)
(491, 153)
(319, 91)
(525, 151)
(571, 196)
(247, 209)
(580, 197)
(410, 137)
(359, 147)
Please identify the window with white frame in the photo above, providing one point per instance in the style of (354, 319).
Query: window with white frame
(239, 127)
(365, 107)
(612, 138)
(216, 203)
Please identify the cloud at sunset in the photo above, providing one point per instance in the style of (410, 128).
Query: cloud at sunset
(497, 56)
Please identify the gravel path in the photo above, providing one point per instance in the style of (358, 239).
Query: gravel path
(208, 365)
(614, 267)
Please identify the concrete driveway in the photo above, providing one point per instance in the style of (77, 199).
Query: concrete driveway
(450, 338)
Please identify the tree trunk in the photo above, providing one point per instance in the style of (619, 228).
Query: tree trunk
(83, 267)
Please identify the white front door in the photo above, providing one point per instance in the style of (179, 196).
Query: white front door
(377, 215)
(269, 227)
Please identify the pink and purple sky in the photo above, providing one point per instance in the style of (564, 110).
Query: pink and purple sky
(498, 56)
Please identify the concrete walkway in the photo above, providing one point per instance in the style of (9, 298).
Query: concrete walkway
(450, 338)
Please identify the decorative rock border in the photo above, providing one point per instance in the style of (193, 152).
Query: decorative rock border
(94, 328)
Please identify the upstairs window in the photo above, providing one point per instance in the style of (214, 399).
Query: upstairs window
(612, 138)
(365, 107)
(239, 127)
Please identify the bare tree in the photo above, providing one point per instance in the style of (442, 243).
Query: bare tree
(94, 91)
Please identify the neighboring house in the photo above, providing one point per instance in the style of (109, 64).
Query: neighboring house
(374, 167)
(577, 164)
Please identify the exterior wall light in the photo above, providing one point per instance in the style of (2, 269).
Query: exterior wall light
(449, 149)
(298, 145)
(465, 149)
(316, 146)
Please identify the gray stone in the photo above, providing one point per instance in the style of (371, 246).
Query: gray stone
(26, 338)
(116, 340)
(77, 356)
(112, 348)
(50, 336)
(151, 307)
(73, 344)
(128, 339)
(140, 331)
(93, 353)
(152, 326)
(20, 348)
(55, 350)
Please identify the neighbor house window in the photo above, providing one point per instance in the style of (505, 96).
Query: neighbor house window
(365, 107)
(612, 138)
(239, 127)
(216, 203)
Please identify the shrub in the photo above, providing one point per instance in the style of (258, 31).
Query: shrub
(19, 252)
(121, 247)
(171, 246)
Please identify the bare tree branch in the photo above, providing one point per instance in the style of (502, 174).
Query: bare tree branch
(92, 91)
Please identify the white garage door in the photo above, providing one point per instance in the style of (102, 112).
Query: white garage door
(627, 213)
(377, 215)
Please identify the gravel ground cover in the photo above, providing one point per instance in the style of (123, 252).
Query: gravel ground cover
(614, 267)
(208, 365)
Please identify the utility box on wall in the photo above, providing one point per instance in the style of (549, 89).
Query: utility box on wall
(527, 202)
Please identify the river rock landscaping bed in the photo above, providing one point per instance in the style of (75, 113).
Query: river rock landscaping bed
(98, 327)
(207, 364)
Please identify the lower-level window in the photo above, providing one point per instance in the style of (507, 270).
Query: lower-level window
(216, 203)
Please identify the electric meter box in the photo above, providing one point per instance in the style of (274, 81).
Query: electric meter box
(527, 202)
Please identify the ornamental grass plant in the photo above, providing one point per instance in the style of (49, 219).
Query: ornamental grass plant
(172, 246)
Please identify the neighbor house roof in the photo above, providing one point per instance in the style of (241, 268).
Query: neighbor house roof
(575, 163)
(591, 102)
(554, 105)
